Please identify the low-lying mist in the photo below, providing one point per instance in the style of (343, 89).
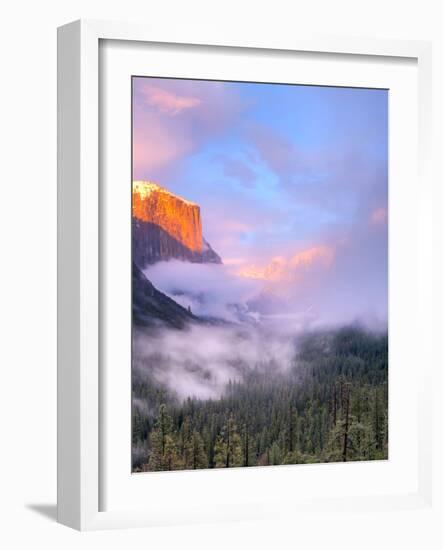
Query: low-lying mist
(210, 290)
(311, 296)
(201, 360)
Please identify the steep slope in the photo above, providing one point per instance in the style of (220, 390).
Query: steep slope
(165, 226)
(209, 256)
(150, 307)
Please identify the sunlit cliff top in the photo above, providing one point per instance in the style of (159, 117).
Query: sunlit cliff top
(146, 188)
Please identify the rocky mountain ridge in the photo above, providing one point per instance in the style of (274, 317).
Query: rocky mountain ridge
(151, 308)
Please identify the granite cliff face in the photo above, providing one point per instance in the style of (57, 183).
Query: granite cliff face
(166, 227)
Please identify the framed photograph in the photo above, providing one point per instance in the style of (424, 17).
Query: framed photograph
(243, 268)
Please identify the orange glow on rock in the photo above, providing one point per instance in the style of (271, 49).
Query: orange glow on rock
(178, 217)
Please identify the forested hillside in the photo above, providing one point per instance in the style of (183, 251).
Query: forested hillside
(332, 405)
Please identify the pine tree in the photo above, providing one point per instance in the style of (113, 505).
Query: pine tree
(378, 420)
(295, 457)
(163, 444)
(292, 431)
(275, 454)
(347, 407)
(198, 453)
(362, 442)
(186, 443)
(219, 452)
(228, 449)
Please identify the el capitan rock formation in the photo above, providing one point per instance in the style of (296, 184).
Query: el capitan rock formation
(166, 227)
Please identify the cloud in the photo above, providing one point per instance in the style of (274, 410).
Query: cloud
(211, 290)
(292, 268)
(345, 283)
(167, 102)
(329, 284)
(154, 146)
(379, 216)
(238, 170)
(173, 118)
(201, 360)
(279, 153)
(331, 181)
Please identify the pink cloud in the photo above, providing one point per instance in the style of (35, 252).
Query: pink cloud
(320, 254)
(282, 268)
(379, 216)
(172, 118)
(168, 102)
(154, 145)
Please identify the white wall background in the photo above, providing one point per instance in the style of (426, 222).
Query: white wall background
(28, 265)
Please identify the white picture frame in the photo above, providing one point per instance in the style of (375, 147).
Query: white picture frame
(80, 410)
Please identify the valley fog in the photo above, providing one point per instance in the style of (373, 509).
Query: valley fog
(200, 361)
(246, 326)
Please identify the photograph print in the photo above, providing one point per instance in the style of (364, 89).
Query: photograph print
(259, 274)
